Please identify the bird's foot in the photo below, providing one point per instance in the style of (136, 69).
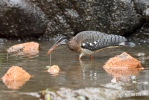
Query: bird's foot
(79, 58)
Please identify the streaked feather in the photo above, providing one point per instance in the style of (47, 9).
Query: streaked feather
(94, 40)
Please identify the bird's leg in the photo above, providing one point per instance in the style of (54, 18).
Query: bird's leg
(80, 56)
(91, 57)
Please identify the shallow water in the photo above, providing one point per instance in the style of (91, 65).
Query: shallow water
(74, 74)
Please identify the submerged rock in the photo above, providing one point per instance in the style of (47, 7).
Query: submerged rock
(54, 70)
(108, 91)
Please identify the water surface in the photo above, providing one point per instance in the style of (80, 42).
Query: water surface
(74, 74)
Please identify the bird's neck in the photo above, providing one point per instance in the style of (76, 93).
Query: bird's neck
(73, 45)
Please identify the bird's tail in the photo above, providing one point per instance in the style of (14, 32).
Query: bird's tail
(130, 44)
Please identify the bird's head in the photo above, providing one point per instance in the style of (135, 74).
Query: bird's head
(59, 40)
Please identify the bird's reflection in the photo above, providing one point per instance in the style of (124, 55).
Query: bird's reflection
(92, 72)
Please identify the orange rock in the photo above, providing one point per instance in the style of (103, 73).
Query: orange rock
(24, 48)
(54, 69)
(15, 77)
(123, 61)
(16, 73)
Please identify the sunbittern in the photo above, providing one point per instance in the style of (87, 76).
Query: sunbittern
(89, 42)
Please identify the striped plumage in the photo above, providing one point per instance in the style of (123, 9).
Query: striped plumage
(94, 40)
(88, 42)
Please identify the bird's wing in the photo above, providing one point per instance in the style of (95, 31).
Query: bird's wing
(96, 41)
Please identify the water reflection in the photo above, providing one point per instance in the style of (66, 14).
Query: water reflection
(128, 81)
(122, 74)
(28, 54)
(92, 73)
(14, 84)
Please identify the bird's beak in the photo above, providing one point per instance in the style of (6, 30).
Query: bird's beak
(58, 42)
(53, 47)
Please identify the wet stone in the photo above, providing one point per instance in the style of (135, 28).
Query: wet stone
(123, 60)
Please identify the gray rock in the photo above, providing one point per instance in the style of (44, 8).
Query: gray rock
(68, 17)
(142, 33)
(47, 18)
(20, 19)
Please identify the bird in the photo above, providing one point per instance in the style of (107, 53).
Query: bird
(90, 42)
